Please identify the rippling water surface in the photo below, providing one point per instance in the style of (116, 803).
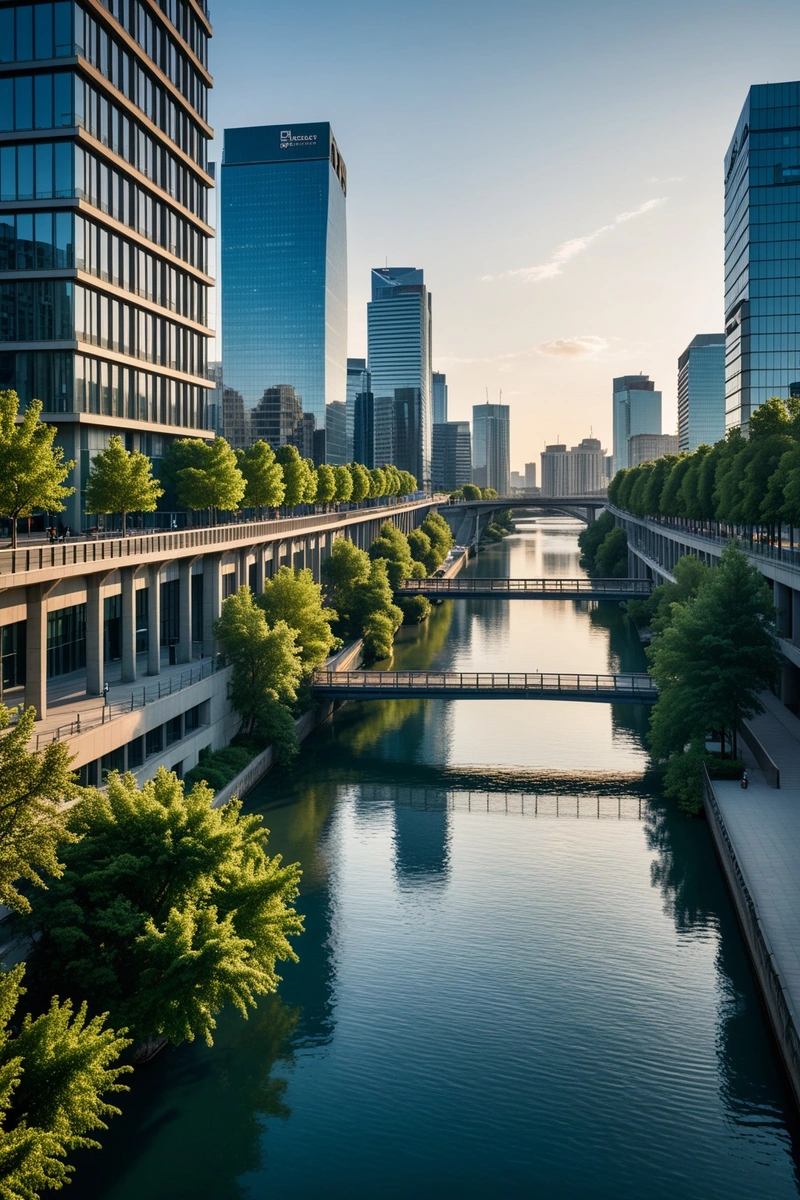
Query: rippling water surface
(521, 974)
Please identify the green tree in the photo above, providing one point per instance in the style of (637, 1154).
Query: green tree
(294, 475)
(377, 483)
(591, 539)
(361, 482)
(326, 484)
(728, 475)
(363, 597)
(34, 786)
(671, 502)
(344, 484)
(689, 496)
(408, 484)
(56, 1071)
(715, 657)
(489, 493)
(392, 479)
(168, 909)
(422, 550)
(310, 484)
(637, 498)
(32, 469)
(612, 555)
(690, 575)
(294, 598)
(392, 546)
(657, 480)
(471, 492)
(441, 539)
(179, 455)
(262, 475)
(121, 481)
(216, 484)
(266, 660)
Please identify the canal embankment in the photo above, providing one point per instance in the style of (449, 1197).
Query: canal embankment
(756, 833)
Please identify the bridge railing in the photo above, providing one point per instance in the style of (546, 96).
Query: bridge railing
(488, 681)
(588, 587)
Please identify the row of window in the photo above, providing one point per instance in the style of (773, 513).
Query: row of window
(39, 31)
(762, 250)
(36, 101)
(112, 126)
(38, 241)
(114, 324)
(42, 171)
(112, 192)
(67, 382)
(113, 60)
(36, 311)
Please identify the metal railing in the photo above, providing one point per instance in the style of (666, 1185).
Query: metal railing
(139, 698)
(587, 587)
(121, 550)
(678, 527)
(524, 684)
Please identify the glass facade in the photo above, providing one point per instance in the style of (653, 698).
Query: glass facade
(491, 447)
(284, 285)
(439, 388)
(451, 460)
(701, 392)
(637, 409)
(399, 335)
(104, 229)
(762, 244)
(360, 414)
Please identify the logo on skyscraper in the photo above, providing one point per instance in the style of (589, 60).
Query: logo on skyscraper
(288, 139)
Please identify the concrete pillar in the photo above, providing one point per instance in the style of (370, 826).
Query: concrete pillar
(185, 610)
(95, 636)
(796, 617)
(212, 600)
(784, 605)
(36, 650)
(128, 576)
(260, 568)
(242, 571)
(154, 620)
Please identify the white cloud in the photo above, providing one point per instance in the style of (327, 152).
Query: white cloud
(575, 246)
(586, 346)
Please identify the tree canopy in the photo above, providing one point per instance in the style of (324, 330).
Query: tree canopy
(266, 659)
(263, 477)
(216, 482)
(294, 598)
(32, 468)
(121, 481)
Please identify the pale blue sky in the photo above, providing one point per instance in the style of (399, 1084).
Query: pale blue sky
(488, 142)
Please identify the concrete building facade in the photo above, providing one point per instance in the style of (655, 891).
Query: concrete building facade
(647, 447)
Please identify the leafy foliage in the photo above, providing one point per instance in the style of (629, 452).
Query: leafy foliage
(604, 548)
(294, 597)
(363, 597)
(168, 909)
(216, 482)
(32, 469)
(121, 481)
(392, 546)
(266, 660)
(263, 477)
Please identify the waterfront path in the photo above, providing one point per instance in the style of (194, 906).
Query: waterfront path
(763, 827)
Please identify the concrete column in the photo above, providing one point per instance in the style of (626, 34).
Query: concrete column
(36, 650)
(154, 620)
(260, 568)
(128, 576)
(784, 605)
(795, 617)
(242, 574)
(185, 610)
(212, 600)
(95, 636)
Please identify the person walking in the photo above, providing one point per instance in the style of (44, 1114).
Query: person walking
(745, 780)
(106, 690)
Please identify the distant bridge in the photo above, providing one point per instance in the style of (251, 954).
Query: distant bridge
(483, 685)
(468, 519)
(528, 589)
(598, 500)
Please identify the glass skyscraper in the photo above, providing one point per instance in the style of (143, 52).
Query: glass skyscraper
(491, 447)
(439, 398)
(399, 336)
(701, 392)
(762, 251)
(360, 415)
(637, 409)
(284, 282)
(104, 227)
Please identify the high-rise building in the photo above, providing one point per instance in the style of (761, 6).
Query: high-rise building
(530, 475)
(580, 471)
(555, 470)
(491, 447)
(452, 455)
(637, 409)
(399, 359)
(701, 392)
(762, 251)
(647, 447)
(104, 222)
(360, 414)
(439, 398)
(284, 272)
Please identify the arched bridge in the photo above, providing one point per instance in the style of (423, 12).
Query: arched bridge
(528, 589)
(483, 685)
(468, 518)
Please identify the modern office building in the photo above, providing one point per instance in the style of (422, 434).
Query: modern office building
(637, 409)
(104, 222)
(579, 471)
(530, 475)
(491, 447)
(452, 456)
(701, 392)
(762, 251)
(399, 335)
(439, 398)
(647, 447)
(284, 276)
(360, 414)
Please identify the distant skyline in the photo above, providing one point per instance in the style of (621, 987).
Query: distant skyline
(555, 168)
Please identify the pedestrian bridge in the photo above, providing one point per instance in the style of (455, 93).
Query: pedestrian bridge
(528, 589)
(483, 685)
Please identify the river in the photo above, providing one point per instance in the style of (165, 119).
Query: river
(521, 973)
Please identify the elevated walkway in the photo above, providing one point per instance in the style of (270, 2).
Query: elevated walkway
(483, 685)
(528, 589)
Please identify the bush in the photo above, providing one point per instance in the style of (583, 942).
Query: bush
(379, 631)
(275, 724)
(415, 609)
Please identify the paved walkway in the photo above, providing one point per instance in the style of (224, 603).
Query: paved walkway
(764, 826)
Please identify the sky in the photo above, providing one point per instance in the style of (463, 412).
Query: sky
(555, 166)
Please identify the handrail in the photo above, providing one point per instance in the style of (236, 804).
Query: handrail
(523, 681)
(589, 587)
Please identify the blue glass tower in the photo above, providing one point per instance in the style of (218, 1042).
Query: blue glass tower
(701, 392)
(762, 251)
(284, 282)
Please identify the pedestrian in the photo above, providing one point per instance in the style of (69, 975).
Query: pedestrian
(745, 780)
(66, 533)
(106, 690)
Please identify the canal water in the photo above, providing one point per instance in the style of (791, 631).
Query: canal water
(521, 973)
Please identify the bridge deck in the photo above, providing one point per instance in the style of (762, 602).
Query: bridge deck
(529, 589)
(484, 685)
